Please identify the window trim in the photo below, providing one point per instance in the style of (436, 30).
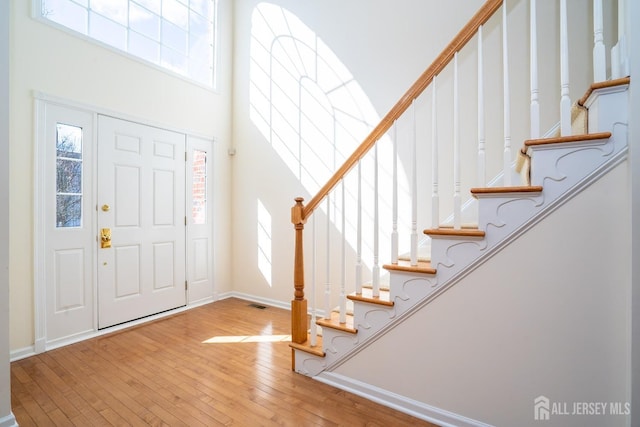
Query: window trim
(36, 14)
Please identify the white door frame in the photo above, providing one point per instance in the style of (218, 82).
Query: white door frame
(41, 340)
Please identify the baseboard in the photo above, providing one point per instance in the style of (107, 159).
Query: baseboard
(22, 353)
(253, 298)
(400, 403)
(8, 421)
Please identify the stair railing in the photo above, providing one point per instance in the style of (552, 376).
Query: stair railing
(333, 192)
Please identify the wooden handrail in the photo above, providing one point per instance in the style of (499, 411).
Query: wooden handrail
(459, 41)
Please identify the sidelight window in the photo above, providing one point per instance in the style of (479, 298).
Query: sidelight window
(68, 176)
(199, 187)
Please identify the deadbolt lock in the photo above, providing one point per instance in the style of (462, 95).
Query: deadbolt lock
(105, 238)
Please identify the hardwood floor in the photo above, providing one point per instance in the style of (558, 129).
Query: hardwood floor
(225, 363)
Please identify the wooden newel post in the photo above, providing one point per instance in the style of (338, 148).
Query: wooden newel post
(299, 325)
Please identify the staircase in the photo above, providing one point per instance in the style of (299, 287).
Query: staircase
(553, 170)
(560, 168)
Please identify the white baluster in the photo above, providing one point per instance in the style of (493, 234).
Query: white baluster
(506, 169)
(343, 265)
(327, 287)
(457, 203)
(414, 189)
(599, 57)
(565, 101)
(533, 51)
(314, 326)
(619, 54)
(481, 135)
(394, 232)
(435, 197)
(359, 234)
(376, 225)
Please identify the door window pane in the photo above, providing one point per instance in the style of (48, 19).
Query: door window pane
(199, 187)
(68, 175)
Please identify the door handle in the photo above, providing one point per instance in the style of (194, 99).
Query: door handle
(105, 238)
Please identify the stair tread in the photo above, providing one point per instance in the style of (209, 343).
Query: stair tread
(333, 322)
(567, 139)
(602, 85)
(507, 190)
(454, 232)
(405, 265)
(367, 296)
(308, 348)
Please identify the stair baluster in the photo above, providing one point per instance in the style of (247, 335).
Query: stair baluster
(507, 99)
(394, 207)
(565, 101)
(343, 261)
(359, 233)
(457, 201)
(435, 197)
(533, 73)
(327, 286)
(599, 57)
(481, 135)
(414, 187)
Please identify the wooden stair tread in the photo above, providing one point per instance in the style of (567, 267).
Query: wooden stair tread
(602, 85)
(367, 296)
(333, 322)
(567, 139)
(454, 232)
(306, 347)
(507, 190)
(405, 265)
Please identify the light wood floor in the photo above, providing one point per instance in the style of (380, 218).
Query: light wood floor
(165, 373)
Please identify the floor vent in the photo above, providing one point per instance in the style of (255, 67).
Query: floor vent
(258, 306)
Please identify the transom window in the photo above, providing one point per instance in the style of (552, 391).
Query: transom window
(178, 35)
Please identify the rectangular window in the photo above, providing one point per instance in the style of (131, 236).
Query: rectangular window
(178, 35)
(199, 187)
(68, 176)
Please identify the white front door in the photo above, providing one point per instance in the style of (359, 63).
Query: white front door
(141, 214)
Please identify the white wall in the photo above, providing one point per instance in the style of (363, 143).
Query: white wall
(51, 61)
(5, 386)
(634, 139)
(542, 317)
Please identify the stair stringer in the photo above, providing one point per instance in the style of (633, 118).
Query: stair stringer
(564, 170)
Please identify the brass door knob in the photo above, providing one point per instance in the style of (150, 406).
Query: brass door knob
(105, 208)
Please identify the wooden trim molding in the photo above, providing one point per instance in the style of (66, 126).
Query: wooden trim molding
(454, 232)
(567, 139)
(602, 85)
